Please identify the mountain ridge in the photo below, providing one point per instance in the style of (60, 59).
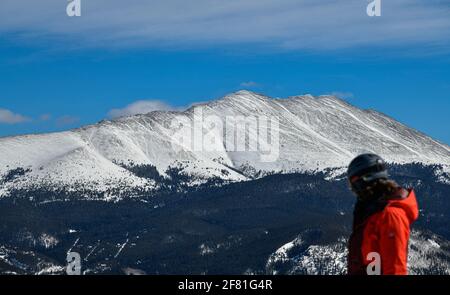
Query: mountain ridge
(315, 133)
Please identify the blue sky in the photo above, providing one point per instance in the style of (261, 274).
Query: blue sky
(58, 72)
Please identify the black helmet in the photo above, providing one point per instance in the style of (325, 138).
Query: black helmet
(364, 169)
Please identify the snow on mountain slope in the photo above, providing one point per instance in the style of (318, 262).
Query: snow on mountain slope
(314, 133)
(327, 132)
(58, 159)
(425, 256)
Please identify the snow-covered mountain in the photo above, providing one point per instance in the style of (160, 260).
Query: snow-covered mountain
(315, 133)
(279, 224)
(427, 254)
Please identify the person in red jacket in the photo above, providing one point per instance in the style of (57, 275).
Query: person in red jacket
(382, 218)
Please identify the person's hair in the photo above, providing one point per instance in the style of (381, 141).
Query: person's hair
(380, 188)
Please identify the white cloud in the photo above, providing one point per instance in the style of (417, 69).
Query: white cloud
(285, 24)
(250, 84)
(67, 120)
(45, 117)
(8, 117)
(140, 107)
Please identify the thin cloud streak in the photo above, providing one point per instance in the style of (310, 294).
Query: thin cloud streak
(278, 24)
(67, 120)
(250, 84)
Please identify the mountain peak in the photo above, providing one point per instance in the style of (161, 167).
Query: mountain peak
(245, 93)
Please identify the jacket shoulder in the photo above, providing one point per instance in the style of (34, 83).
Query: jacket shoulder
(393, 217)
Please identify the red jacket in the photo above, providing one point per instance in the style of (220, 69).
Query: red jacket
(383, 227)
